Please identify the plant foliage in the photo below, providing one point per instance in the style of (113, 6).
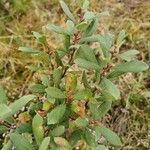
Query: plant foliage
(66, 106)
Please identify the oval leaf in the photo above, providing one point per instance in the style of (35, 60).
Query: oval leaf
(110, 136)
(5, 111)
(85, 94)
(7, 146)
(82, 26)
(121, 38)
(3, 97)
(18, 104)
(109, 87)
(58, 131)
(70, 26)
(56, 114)
(66, 10)
(86, 64)
(28, 50)
(86, 53)
(132, 66)
(129, 55)
(81, 122)
(57, 29)
(37, 128)
(37, 88)
(55, 93)
(45, 143)
(57, 73)
(20, 142)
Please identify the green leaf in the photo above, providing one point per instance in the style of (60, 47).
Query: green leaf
(85, 94)
(104, 108)
(106, 43)
(89, 16)
(5, 111)
(91, 28)
(93, 38)
(3, 97)
(86, 64)
(45, 80)
(63, 143)
(82, 26)
(132, 66)
(85, 81)
(81, 122)
(55, 93)
(28, 50)
(20, 142)
(67, 44)
(99, 109)
(96, 129)
(37, 88)
(24, 128)
(3, 129)
(18, 104)
(100, 147)
(43, 57)
(75, 136)
(58, 131)
(89, 138)
(57, 73)
(40, 38)
(44, 144)
(109, 87)
(128, 55)
(70, 26)
(51, 100)
(57, 29)
(86, 4)
(7, 146)
(37, 127)
(110, 136)
(66, 10)
(121, 38)
(86, 53)
(56, 114)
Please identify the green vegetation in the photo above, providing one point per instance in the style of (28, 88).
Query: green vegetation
(77, 81)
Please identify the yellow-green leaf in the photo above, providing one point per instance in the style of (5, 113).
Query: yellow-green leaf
(56, 114)
(3, 97)
(110, 136)
(44, 144)
(110, 87)
(37, 127)
(20, 142)
(18, 104)
(55, 93)
(66, 10)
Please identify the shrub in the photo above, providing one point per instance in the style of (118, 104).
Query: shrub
(76, 88)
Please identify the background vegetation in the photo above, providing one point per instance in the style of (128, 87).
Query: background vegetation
(18, 18)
